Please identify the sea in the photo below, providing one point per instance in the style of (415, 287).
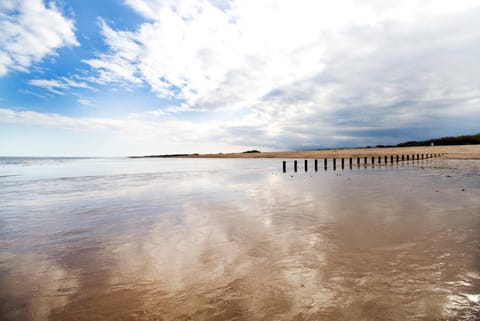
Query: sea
(238, 239)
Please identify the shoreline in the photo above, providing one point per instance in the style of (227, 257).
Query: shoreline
(450, 152)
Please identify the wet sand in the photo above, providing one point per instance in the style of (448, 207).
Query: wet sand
(451, 152)
(238, 240)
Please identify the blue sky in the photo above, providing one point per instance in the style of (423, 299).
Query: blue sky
(134, 77)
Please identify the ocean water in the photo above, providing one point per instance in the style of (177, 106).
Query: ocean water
(237, 239)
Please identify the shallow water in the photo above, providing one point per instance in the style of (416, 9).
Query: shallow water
(226, 239)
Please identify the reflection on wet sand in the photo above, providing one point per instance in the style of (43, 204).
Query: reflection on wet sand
(383, 245)
(32, 286)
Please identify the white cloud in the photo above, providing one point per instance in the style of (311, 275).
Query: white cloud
(31, 31)
(155, 134)
(57, 86)
(85, 102)
(59, 121)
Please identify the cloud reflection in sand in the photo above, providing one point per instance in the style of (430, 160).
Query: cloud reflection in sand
(33, 286)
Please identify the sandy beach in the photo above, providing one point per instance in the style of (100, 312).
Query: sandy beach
(234, 239)
(450, 152)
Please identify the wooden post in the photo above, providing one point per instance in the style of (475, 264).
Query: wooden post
(343, 163)
(373, 160)
(365, 160)
(391, 159)
(295, 165)
(334, 164)
(325, 163)
(316, 165)
(379, 159)
(403, 158)
(358, 161)
(398, 157)
(284, 166)
(408, 157)
(386, 159)
(350, 162)
(306, 165)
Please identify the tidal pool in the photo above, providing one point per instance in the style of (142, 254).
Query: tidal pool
(237, 239)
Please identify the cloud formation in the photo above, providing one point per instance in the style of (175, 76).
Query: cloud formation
(301, 68)
(266, 74)
(31, 30)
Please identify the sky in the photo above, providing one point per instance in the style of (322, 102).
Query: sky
(142, 77)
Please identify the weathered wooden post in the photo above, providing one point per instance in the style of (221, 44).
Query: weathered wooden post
(295, 165)
(386, 160)
(398, 158)
(403, 158)
(284, 166)
(316, 165)
(365, 160)
(379, 159)
(334, 164)
(358, 161)
(306, 165)
(373, 160)
(418, 156)
(343, 163)
(325, 163)
(391, 159)
(350, 162)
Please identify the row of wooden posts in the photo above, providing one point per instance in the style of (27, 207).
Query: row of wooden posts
(393, 159)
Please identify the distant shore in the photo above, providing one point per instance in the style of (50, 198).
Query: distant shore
(451, 152)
